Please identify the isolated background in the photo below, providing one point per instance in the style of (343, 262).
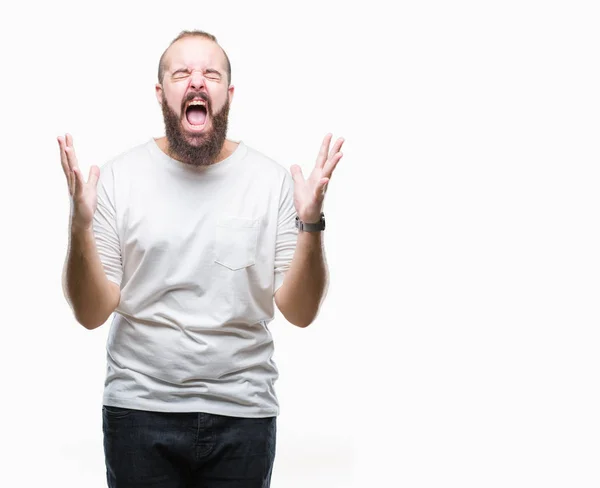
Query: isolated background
(458, 345)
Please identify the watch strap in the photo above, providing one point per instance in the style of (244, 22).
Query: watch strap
(311, 227)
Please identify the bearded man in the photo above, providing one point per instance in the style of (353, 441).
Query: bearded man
(191, 240)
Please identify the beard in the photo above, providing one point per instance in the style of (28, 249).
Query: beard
(196, 149)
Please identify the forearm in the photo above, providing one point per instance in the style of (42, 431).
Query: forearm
(303, 290)
(90, 294)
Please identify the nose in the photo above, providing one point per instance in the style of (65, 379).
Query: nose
(197, 80)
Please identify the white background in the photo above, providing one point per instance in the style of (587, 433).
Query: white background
(458, 345)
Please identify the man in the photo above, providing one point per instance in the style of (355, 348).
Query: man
(189, 239)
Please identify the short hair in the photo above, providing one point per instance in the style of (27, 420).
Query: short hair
(191, 33)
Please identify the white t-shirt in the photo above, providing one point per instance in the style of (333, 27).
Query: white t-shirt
(198, 254)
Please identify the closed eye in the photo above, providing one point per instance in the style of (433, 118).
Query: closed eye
(180, 74)
(212, 74)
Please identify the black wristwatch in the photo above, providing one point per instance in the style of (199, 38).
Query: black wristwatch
(316, 227)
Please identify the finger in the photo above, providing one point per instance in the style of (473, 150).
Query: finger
(94, 176)
(73, 183)
(321, 188)
(331, 164)
(64, 162)
(73, 166)
(337, 146)
(70, 148)
(70, 157)
(78, 187)
(322, 157)
(297, 175)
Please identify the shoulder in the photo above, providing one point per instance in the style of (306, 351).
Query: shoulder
(129, 158)
(265, 165)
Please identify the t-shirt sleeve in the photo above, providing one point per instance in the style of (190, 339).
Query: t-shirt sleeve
(105, 227)
(287, 234)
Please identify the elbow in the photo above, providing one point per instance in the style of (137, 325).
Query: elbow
(92, 318)
(93, 313)
(302, 324)
(90, 323)
(299, 311)
(301, 320)
(93, 325)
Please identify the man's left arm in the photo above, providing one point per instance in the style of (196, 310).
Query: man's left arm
(303, 290)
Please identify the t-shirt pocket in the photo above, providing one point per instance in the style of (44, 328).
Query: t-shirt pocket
(235, 242)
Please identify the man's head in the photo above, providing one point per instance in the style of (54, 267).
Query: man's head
(194, 90)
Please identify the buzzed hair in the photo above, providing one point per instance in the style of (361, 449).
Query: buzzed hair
(191, 33)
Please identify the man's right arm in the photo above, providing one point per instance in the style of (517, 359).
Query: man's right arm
(91, 295)
(89, 292)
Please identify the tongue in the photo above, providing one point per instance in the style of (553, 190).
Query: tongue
(196, 116)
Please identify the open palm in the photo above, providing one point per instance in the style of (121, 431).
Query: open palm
(309, 193)
(83, 195)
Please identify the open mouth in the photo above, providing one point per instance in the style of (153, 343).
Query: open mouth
(196, 114)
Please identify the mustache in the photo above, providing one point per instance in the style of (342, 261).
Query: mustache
(191, 95)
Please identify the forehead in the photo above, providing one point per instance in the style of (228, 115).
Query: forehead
(195, 52)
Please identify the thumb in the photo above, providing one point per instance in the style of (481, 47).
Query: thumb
(94, 176)
(322, 187)
(297, 174)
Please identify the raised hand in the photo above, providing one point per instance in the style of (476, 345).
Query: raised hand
(83, 195)
(310, 193)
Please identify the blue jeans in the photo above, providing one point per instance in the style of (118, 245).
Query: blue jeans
(186, 450)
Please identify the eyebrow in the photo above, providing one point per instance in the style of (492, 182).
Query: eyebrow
(210, 70)
(181, 70)
(187, 70)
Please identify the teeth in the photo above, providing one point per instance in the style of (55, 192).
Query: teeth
(196, 102)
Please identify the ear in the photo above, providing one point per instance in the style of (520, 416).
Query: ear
(230, 91)
(159, 93)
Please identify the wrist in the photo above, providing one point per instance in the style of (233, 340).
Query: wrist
(79, 229)
(311, 226)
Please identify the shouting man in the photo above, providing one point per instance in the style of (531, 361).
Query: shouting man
(190, 239)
